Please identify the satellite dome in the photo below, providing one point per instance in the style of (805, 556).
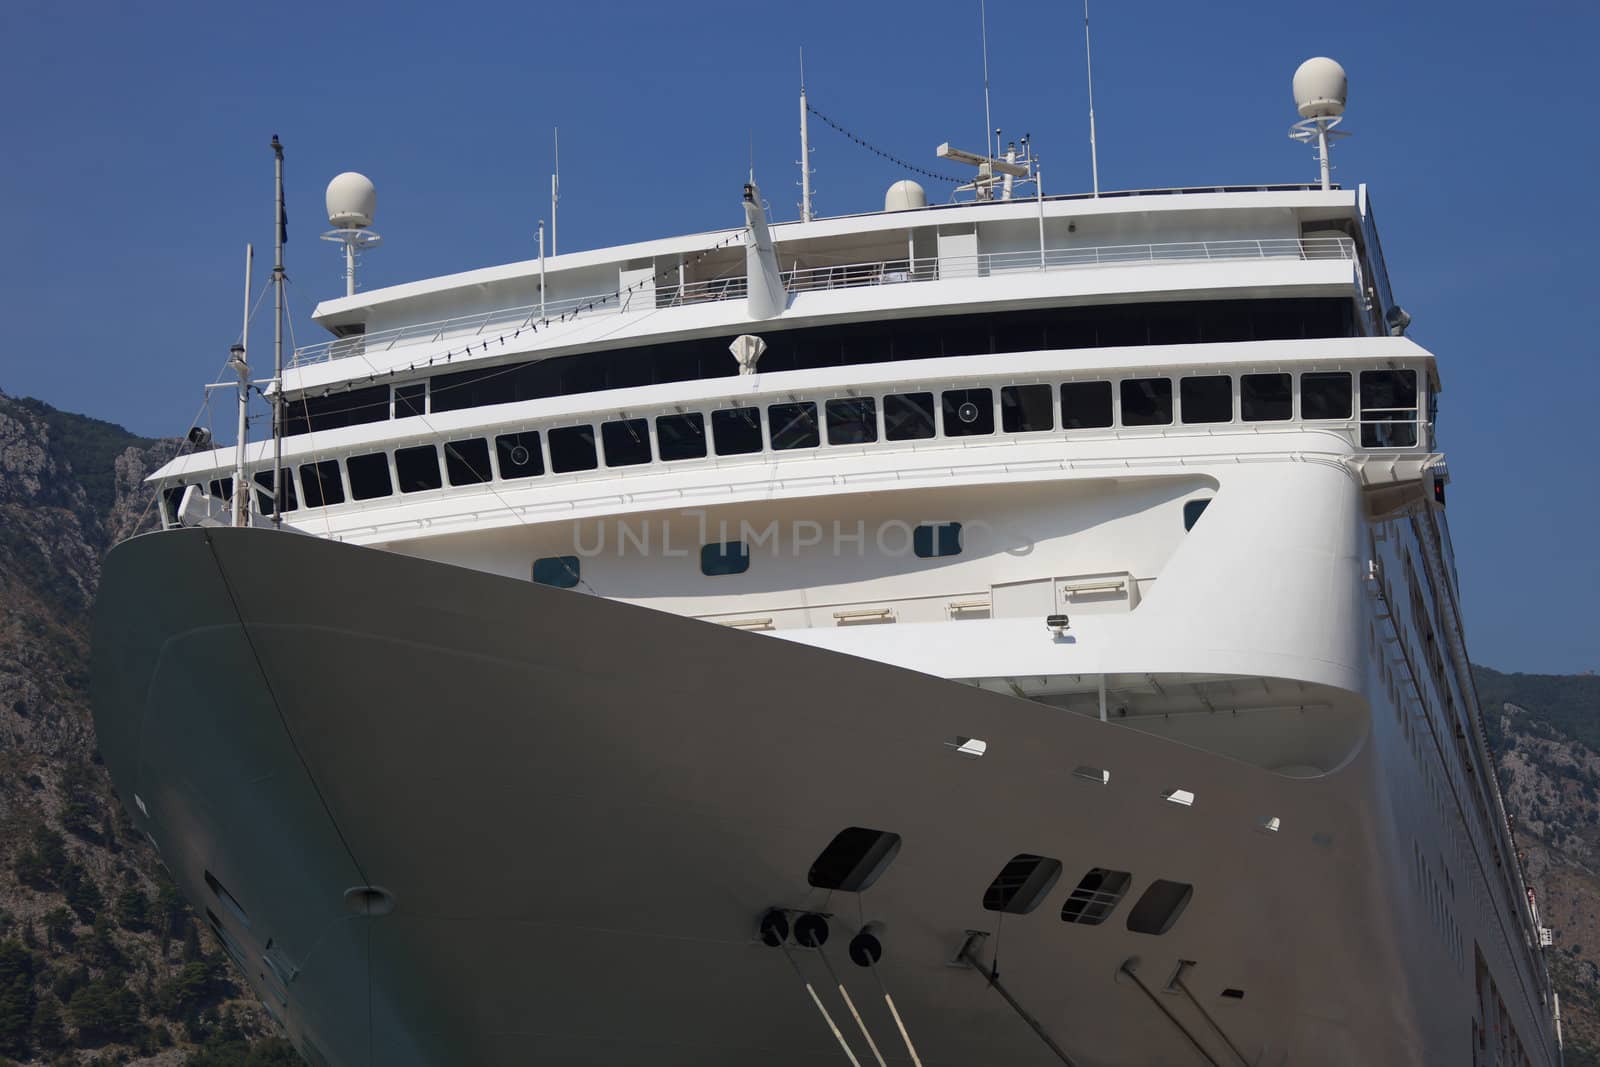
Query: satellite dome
(905, 195)
(1320, 88)
(351, 200)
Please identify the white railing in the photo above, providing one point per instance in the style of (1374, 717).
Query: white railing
(839, 276)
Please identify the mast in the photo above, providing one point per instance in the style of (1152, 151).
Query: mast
(280, 235)
(805, 146)
(555, 192)
(239, 360)
(1088, 62)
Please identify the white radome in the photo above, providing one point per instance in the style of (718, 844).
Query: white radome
(1320, 88)
(905, 195)
(351, 200)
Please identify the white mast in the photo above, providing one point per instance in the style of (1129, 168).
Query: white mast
(1088, 62)
(1320, 91)
(541, 270)
(280, 235)
(805, 146)
(238, 359)
(555, 192)
(990, 147)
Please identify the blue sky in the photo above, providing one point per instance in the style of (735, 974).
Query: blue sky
(135, 167)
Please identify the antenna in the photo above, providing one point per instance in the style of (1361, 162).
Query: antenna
(240, 362)
(805, 146)
(281, 232)
(989, 145)
(1320, 91)
(351, 201)
(1088, 62)
(555, 192)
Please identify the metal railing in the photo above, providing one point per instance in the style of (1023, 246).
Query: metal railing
(838, 276)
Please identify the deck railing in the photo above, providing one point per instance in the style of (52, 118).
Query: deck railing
(837, 276)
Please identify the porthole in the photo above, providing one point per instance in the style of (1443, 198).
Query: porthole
(558, 572)
(1160, 906)
(728, 557)
(1095, 897)
(1022, 884)
(855, 859)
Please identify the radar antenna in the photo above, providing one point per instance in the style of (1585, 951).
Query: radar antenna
(351, 200)
(1320, 91)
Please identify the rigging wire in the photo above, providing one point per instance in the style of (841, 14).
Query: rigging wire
(896, 160)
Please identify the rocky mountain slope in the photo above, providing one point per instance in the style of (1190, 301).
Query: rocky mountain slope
(100, 960)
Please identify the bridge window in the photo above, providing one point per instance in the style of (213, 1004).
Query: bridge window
(572, 449)
(1026, 409)
(321, 482)
(1325, 395)
(1146, 401)
(467, 462)
(519, 454)
(627, 442)
(1085, 405)
(933, 540)
(852, 420)
(559, 572)
(794, 425)
(1207, 398)
(968, 412)
(1388, 408)
(681, 436)
(736, 431)
(729, 557)
(417, 469)
(369, 476)
(1266, 397)
(410, 400)
(286, 501)
(908, 416)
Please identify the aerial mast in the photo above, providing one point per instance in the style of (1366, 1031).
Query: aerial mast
(805, 146)
(280, 238)
(555, 192)
(1320, 91)
(1088, 63)
(239, 360)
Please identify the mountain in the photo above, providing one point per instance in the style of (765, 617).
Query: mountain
(100, 959)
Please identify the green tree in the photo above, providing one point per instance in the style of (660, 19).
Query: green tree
(59, 927)
(17, 1001)
(133, 909)
(83, 896)
(48, 1033)
(191, 944)
(99, 947)
(105, 1010)
(185, 996)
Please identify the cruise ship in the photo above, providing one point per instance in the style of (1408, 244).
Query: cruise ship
(1021, 630)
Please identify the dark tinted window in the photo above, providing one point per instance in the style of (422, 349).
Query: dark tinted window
(559, 571)
(627, 442)
(467, 462)
(263, 482)
(1146, 401)
(339, 409)
(322, 483)
(221, 488)
(908, 416)
(1388, 408)
(931, 540)
(681, 436)
(794, 425)
(736, 431)
(1266, 397)
(1208, 398)
(1024, 408)
(1192, 510)
(369, 476)
(171, 499)
(730, 557)
(968, 412)
(519, 454)
(852, 420)
(417, 469)
(410, 400)
(572, 449)
(1085, 405)
(1325, 395)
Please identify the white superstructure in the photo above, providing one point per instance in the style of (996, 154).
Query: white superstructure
(1053, 602)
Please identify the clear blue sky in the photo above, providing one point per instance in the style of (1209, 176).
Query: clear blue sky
(134, 166)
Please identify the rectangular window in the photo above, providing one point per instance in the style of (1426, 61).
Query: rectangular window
(519, 454)
(908, 416)
(1325, 395)
(369, 476)
(171, 500)
(1192, 510)
(1266, 397)
(263, 480)
(736, 431)
(931, 540)
(1207, 398)
(1085, 405)
(682, 436)
(794, 425)
(322, 484)
(627, 442)
(560, 572)
(410, 400)
(730, 557)
(417, 469)
(1146, 401)
(1388, 408)
(467, 462)
(968, 412)
(572, 449)
(852, 420)
(222, 488)
(1026, 409)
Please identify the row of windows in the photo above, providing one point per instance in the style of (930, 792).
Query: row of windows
(1388, 415)
(1185, 322)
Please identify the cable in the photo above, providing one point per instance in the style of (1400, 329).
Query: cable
(1171, 1018)
(896, 160)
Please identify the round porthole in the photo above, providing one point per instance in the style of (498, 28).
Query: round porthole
(519, 456)
(968, 412)
(368, 900)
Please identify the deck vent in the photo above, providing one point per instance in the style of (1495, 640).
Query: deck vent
(1022, 884)
(1160, 907)
(854, 859)
(969, 747)
(1096, 896)
(1179, 796)
(1092, 774)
